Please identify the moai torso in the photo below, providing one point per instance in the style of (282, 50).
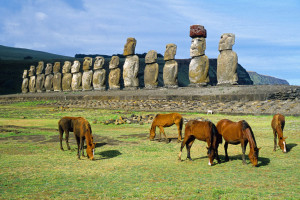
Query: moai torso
(76, 76)
(131, 65)
(99, 74)
(87, 76)
(67, 77)
(151, 70)
(32, 79)
(114, 74)
(199, 65)
(56, 77)
(25, 82)
(48, 78)
(40, 77)
(170, 70)
(227, 61)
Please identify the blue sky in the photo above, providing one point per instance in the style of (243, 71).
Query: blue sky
(267, 32)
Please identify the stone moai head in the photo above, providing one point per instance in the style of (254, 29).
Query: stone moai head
(32, 70)
(75, 67)
(40, 68)
(99, 62)
(114, 62)
(170, 52)
(48, 69)
(227, 41)
(129, 47)
(56, 67)
(151, 57)
(87, 63)
(67, 67)
(25, 73)
(198, 35)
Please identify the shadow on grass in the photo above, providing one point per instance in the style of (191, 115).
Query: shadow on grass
(100, 144)
(109, 154)
(290, 146)
(262, 161)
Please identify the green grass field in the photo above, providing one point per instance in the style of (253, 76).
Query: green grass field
(129, 166)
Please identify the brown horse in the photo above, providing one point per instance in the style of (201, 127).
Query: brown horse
(166, 120)
(239, 133)
(205, 131)
(277, 124)
(82, 131)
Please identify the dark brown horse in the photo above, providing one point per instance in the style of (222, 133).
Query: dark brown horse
(277, 124)
(166, 120)
(205, 131)
(82, 131)
(239, 133)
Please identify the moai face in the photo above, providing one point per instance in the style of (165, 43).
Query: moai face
(40, 68)
(87, 63)
(227, 41)
(170, 52)
(99, 62)
(114, 62)
(198, 47)
(25, 73)
(32, 70)
(66, 67)
(151, 57)
(129, 47)
(56, 67)
(48, 69)
(75, 67)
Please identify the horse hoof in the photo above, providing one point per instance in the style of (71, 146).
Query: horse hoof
(62, 149)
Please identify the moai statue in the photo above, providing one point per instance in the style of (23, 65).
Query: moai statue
(32, 79)
(56, 77)
(87, 76)
(25, 82)
(67, 77)
(151, 70)
(49, 78)
(131, 65)
(199, 65)
(40, 77)
(170, 70)
(99, 74)
(227, 61)
(114, 74)
(77, 76)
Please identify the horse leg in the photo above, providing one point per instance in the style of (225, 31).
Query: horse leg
(244, 145)
(81, 146)
(181, 147)
(67, 140)
(163, 131)
(225, 148)
(61, 132)
(275, 140)
(188, 148)
(179, 127)
(78, 146)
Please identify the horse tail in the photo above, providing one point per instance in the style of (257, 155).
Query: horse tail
(180, 126)
(60, 128)
(250, 135)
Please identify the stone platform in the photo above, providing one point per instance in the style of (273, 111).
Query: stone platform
(256, 100)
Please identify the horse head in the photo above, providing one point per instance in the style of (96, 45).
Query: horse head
(152, 133)
(282, 143)
(253, 156)
(90, 150)
(211, 155)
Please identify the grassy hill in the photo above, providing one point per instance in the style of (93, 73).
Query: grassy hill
(259, 79)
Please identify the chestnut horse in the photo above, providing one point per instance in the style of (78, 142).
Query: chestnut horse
(205, 131)
(166, 120)
(239, 133)
(82, 130)
(277, 124)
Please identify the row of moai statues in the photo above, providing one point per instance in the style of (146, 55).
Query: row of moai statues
(72, 79)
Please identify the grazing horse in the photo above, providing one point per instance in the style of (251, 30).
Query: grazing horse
(239, 133)
(166, 120)
(277, 124)
(82, 131)
(205, 131)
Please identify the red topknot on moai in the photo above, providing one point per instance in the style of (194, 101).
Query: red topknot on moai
(197, 31)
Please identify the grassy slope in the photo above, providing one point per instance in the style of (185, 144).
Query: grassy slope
(134, 167)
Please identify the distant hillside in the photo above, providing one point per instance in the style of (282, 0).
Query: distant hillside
(11, 53)
(259, 79)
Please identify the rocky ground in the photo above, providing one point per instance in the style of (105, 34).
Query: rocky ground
(253, 100)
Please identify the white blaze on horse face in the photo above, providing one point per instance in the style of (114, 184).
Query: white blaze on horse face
(209, 163)
(284, 150)
(93, 152)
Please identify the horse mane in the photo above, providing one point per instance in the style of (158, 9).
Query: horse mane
(215, 134)
(249, 133)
